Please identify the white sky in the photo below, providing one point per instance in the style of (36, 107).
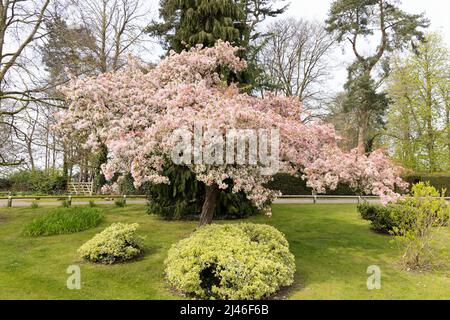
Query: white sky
(436, 10)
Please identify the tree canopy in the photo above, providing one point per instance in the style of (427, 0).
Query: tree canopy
(356, 20)
(135, 114)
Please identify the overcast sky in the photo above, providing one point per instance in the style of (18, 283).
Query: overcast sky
(435, 10)
(438, 11)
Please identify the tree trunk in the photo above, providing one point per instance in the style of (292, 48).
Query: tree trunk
(448, 132)
(209, 205)
(362, 132)
(431, 140)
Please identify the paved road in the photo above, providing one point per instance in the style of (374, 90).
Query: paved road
(27, 202)
(321, 201)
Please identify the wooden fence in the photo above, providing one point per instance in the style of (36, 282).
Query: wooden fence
(83, 188)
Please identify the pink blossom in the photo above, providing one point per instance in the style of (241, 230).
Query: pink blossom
(134, 112)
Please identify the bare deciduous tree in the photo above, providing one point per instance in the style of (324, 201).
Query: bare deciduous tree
(295, 59)
(20, 26)
(115, 24)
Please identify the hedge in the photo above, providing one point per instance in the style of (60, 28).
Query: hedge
(438, 180)
(290, 185)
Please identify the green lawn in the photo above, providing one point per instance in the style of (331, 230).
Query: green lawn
(332, 245)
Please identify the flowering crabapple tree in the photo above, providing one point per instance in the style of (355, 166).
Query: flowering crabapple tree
(136, 111)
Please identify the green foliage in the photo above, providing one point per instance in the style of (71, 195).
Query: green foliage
(363, 99)
(120, 203)
(240, 261)
(348, 17)
(187, 23)
(233, 206)
(354, 22)
(63, 221)
(424, 193)
(368, 211)
(38, 181)
(384, 219)
(418, 130)
(387, 219)
(291, 185)
(419, 239)
(65, 204)
(92, 204)
(100, 158)
(183, 198)
(126, 185)
(438, 180)
(117, 243)
(34, 205)
(5, 184)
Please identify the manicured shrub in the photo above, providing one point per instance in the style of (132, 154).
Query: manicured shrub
(119, 203)
(117, 243)
(385, 218)
(63, 221)
(239, 261)
(368, 211)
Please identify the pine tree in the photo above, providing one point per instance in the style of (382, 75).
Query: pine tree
(355, 21)
(187, 23)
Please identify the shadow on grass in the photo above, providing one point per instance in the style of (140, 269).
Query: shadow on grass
(329, 243)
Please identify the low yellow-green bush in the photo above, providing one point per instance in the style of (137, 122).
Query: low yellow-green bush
(231, 261)
(117, 243)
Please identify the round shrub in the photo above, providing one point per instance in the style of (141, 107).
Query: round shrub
(385, 219)
(63, 221)
(404, 213)
(117, 243)
(231, 261)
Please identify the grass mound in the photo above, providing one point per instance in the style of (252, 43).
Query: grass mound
(63, 221)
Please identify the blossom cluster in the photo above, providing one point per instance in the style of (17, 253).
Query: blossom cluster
(135, 111)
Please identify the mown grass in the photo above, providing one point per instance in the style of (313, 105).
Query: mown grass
(333, 247)
(63, 221)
